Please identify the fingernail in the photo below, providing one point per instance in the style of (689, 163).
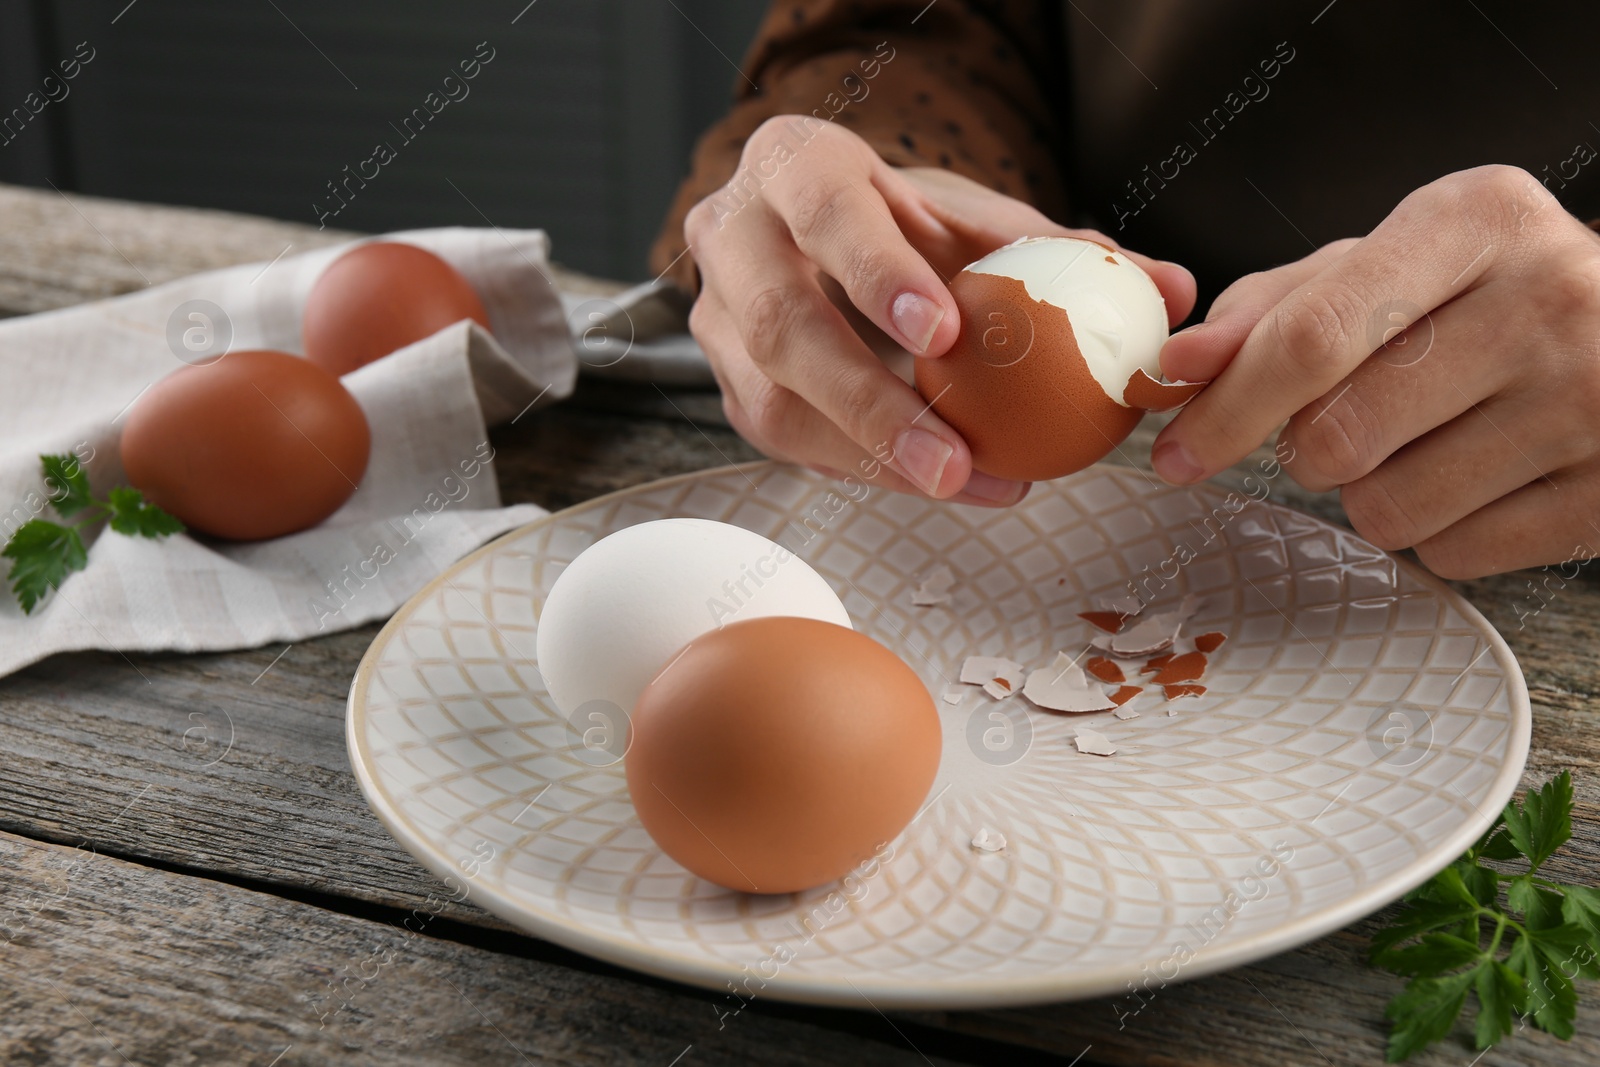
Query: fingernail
(916, 317)
(922, 455)
(1173, 462)
(997, 490)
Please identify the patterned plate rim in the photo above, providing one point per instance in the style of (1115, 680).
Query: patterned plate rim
(987, 992)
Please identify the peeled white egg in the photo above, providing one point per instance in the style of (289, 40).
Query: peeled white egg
(1115, 309)
(633, 600)
(1058, 357)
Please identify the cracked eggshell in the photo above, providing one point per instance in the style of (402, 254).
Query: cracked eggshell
(630, 601)
(1053, 331)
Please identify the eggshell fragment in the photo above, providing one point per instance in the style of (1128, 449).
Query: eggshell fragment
(934, 589)
(979, 670)
(1186, 667)
(778, 753)
(1106, 670)
(1126, 606)
(1145, 392)
(1094, 743)
(1151, 635)
(1109, 621)
(1210, 642)
(987, 840)
(999, 688)
(1063, 687)
(1124, 694)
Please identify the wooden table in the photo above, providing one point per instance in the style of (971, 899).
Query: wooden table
(172, 898)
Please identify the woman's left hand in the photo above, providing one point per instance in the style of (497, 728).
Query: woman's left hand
(1442, 372)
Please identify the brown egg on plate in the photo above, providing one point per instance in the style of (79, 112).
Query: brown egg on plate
(778, 753)
(377, 299)
(1057, 360)
(253, 445)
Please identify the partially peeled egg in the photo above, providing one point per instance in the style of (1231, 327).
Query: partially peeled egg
(1057, 360)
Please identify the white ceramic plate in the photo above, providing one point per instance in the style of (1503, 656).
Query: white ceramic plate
(1363, 726)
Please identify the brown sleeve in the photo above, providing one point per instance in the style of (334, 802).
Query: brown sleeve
(959, 84)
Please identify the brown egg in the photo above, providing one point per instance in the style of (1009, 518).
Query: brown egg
(253, 445)
(378, 298)
(1057, 360)
(776, 754)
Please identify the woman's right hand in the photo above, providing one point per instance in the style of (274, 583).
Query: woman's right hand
(812, 201)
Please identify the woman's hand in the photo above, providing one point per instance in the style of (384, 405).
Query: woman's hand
(813, 202)
(1442, 372)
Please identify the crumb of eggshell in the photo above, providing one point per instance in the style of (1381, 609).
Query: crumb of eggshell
(987, 840)
(1106, 670)
(1109, 621)
(934, 588)
(999, 688)
(1094, 743)
(976, 670)
(1063, 687)
(1184, 667)
(1126, 606)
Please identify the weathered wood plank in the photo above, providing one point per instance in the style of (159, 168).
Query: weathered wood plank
(111, 962)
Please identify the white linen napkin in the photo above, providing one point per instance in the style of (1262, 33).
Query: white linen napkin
(429, 494)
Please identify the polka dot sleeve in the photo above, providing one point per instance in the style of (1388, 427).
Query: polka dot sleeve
(957, 84)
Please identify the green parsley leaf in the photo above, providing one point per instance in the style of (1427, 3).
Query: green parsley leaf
(1542, 823)
(1581, 905)
(1540, 906)
(1434, 954)
(1501, 991)
(1417, 919)
(1424, 1012)
(1499, 846)
(131, 514)
(42, 554)
(1549, 934)
(1481, 882)
(66, 484)
(1551, 998)
(1568, 949)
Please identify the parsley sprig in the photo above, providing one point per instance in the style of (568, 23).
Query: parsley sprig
(1513, 938)
(43, 553)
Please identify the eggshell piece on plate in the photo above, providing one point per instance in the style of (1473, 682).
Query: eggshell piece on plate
(777, 754)
(378, 298)
(253, 445)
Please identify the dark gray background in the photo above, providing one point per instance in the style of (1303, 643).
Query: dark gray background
(582, 123)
